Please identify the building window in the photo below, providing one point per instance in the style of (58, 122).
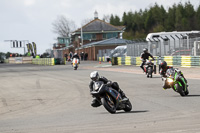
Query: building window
(110, 35)
(65, 41)
(88, 36)
(61, 41)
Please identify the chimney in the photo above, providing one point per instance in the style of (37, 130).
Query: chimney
(95, 15)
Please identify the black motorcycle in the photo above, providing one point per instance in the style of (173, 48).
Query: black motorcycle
(175, 81)
(110, 98)
(149, 68)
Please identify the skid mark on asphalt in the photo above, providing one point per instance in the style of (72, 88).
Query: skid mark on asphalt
(41, 101)
(4, 102)
(38, 84)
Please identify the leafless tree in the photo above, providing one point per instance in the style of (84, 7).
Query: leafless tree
(86, 21)
(106, 18)
(63, 27)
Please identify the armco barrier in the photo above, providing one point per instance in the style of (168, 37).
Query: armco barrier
(183, 61)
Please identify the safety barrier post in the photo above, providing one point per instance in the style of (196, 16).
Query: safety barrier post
(138, 61)
(127, 60)
(186, 61)
(169, 60)
(123, 60)
(195, 61)
(119, 60)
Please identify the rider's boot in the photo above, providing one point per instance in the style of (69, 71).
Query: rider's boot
(123, 95)
(142, 68)
(95, 102)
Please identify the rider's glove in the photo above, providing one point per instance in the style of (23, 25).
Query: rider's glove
(109, 83)
(178, 71)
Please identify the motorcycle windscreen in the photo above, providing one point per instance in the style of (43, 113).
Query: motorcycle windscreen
(170, 72)
(97, 85)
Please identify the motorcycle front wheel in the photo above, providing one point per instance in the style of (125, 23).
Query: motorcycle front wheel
(109, 104)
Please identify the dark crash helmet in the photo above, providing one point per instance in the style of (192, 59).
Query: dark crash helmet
(163, 64)
(145, 50)
(94, 75)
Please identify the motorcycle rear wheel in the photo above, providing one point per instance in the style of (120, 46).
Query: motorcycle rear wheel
(150, 71)
(128, 107)
(180, 90)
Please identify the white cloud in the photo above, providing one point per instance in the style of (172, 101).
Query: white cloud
(29, 2)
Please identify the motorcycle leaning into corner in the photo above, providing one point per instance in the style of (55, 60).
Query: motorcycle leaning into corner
(110, 98)
(175, 80)
(149, 68)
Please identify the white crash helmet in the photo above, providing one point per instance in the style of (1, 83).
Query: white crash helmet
(94, 75)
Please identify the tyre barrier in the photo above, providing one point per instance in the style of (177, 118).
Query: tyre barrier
(44, 61)
(183, 61)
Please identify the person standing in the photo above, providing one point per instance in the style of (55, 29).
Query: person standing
(86, 56)
(82, 55)
(70, 55)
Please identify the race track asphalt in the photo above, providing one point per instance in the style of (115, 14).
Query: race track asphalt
(56, 99)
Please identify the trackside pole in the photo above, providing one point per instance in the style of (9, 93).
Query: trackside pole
(154, 67)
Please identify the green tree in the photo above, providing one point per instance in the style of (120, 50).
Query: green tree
(189, 16)
(197, 18)
(179, 17)
(117, 21)
(149, 21)
(171, 18)
(112, 21)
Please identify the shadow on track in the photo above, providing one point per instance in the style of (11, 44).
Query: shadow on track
(139, 111)
(187, 96)
(192, 95)
(123, 112)
(157, 77)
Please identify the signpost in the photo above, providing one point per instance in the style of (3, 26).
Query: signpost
(18, 43)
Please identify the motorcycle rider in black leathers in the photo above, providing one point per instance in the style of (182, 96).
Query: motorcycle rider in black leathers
(95, 77)
(163, 70)
(145, 55)
(76, 56)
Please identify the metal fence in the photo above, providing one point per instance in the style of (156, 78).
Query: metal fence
(161, 47)
(104, 53)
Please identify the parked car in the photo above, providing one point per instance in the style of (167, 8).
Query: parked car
(186, 52)
(2, 58)
(119, 51)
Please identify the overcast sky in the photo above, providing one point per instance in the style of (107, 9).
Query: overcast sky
(32, 19)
